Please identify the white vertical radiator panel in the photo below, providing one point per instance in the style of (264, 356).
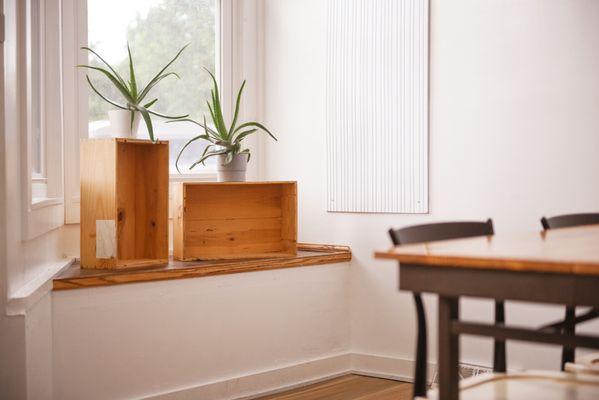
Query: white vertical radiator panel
(377, 106)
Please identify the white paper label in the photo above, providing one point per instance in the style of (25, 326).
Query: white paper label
(105, 238)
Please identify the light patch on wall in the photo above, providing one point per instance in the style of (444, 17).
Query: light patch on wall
(377, 111)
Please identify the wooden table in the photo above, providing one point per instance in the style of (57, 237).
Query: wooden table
(558, 267)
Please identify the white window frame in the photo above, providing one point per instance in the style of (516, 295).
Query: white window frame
(42, 195)
(39, 180)
(74, 25)
(74, 15)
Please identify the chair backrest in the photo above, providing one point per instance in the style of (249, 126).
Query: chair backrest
(569, 220)
(431, 233)
(440, 231)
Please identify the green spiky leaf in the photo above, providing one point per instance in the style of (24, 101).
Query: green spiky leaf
(184, 147)
(228, 141)
(114, 103)
(121, 87)
(167, 116)
(154, 82)
(132, 81)
(132, 119)
(207, 156)
(206, 127)
(116, 74)
(257, 125)
(246, 151)
(148, 120)
(150, 104)
(159, 74)
(130, 91)
(244, 134)
(218, 112)
(236, 114)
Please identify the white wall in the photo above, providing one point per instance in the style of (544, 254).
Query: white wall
(139, 340)
(514, 94)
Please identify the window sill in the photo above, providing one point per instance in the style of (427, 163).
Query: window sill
(37, 203)
(200, 176)
(42, 217)
(308, 254)
(27, 296)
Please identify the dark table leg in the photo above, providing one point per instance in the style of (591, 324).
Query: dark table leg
(569, 328)
(499, 364)
(421, 353)
(448, 349)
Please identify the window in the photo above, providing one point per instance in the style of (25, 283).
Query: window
(42, 187)
(155, 31)
(154, 28)
(35, 91)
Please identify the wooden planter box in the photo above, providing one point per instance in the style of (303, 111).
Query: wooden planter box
(235, 220)
(124, 203)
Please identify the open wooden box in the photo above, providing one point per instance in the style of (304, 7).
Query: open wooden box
(124, 203)
(231, 220)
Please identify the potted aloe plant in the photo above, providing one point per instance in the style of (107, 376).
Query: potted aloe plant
(124, 121)
(225, 142)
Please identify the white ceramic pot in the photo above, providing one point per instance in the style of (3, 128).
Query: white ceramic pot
(233, 171)
(120, 123)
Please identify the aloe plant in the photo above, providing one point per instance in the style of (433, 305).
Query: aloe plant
(223, 140)
(132, 92)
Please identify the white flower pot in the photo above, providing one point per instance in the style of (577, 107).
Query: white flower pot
(233, 171)
(120, 123)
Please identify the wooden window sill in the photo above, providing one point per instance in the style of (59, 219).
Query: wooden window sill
(308, 254)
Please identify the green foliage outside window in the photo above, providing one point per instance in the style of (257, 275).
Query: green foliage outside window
(167, 26)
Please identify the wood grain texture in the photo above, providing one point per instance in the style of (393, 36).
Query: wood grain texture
(125, 180)
(348, 387)
(142, 201)
(562, 251)
(98, 196)
(235, 220)
(178, 227)
(289, 220)
(309, 254)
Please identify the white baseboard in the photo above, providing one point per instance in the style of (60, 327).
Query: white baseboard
(289, 377)
(399, 369)
(263, 383)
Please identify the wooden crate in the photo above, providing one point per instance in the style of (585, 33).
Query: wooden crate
(232, 220)
(124, 203)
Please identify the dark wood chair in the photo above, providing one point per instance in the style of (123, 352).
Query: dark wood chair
(568, 325)
(570, 220)
(435, 232)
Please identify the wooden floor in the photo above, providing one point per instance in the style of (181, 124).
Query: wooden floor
(349, 387)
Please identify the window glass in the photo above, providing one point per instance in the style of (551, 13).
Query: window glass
(35, 119)
(155, 31)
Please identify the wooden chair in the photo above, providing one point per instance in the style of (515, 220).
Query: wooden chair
(435, 232)
(570, 220)
(568, 325)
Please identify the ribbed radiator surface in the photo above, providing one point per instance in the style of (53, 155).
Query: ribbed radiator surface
(377, 106)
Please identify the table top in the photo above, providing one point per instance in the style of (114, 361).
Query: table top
(565, 251)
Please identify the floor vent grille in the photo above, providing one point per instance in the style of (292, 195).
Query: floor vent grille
(466, 371)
